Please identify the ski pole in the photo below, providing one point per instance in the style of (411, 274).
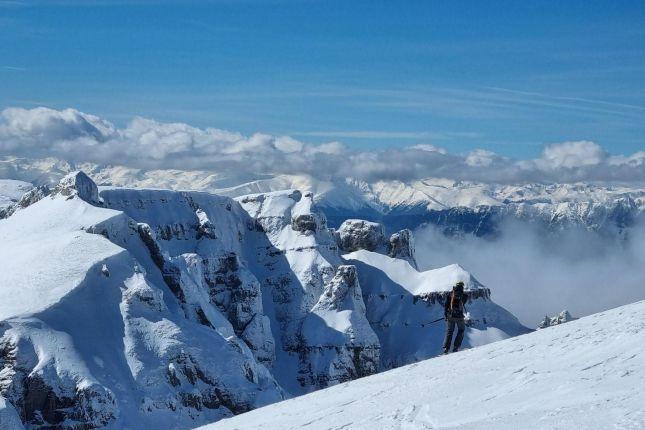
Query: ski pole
(437, 320)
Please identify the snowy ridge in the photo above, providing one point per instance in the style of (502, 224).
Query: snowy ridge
(415, 282)
(140, 308)
(587, 374)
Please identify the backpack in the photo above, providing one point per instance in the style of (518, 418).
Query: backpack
(456, 305)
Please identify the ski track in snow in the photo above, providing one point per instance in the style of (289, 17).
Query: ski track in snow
(588, 373)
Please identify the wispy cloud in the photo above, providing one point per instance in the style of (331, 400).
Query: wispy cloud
(569, 99)
(377, 134)
(13, 69)
(11, 3)
(471, 102)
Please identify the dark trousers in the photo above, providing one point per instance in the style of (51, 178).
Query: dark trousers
(450, 328)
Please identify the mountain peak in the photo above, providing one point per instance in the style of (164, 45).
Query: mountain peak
(77, 183)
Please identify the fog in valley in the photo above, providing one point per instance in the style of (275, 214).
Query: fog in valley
(533, 274)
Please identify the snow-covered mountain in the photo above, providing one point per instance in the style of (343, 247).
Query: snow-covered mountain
(456, 207)
(141, 308)
(586, 374)
(11, 191)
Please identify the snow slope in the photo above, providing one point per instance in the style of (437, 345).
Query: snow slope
(40, 249)
(588, 373)
(11, 191)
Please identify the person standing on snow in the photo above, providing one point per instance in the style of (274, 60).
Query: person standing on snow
(454, 312)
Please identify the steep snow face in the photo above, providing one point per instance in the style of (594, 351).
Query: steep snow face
(92, 335)
(155, 308)
(585, 374)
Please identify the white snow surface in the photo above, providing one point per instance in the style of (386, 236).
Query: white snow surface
(417, 283)
(11, 191)
(40, 244)
(586, 374)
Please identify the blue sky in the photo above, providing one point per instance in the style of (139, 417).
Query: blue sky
(506, 76)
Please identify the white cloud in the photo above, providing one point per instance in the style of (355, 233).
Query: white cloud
(572, 154)
(481, 158)
(429, 148)
(144, 143)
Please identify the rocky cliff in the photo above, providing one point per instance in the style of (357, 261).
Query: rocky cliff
(166, 308)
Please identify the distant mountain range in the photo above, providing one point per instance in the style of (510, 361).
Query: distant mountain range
(455, 207)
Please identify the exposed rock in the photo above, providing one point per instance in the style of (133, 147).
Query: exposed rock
(27, 199)
(78, 184)
(205, 228)
(343, 292)
(333, 351)
(171, 274)
(236, 292)
(304, 218)
(401, 245)
(105, 271)
(561, 318)
(304, 223)
(355, 234)
(68, 405)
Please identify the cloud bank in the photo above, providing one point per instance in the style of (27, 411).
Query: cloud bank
(144, 143)
(533, 274)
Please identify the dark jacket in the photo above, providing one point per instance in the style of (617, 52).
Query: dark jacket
(458, 305)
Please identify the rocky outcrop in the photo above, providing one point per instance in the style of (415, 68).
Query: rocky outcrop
(27, 199)
(78, 184)
(401, 245)
(64, 402)
(204, 226)
(355, 234)
(338, 343)
(306, 220)
(236, 292)
(561, 318)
